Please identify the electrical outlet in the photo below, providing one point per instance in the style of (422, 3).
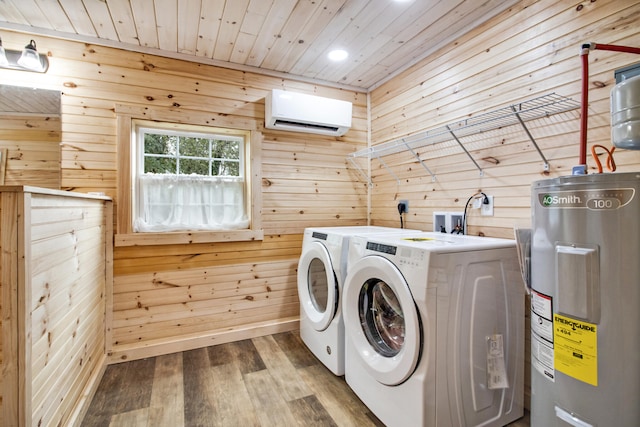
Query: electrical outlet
(486, 209)
(406, 205)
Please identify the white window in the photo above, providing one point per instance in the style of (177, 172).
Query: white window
(189, 178)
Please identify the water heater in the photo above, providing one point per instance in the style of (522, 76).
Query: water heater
(585, 301)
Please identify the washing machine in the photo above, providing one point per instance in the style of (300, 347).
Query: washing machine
(434, 329)
(321, 271)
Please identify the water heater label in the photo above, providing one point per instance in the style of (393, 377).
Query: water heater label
(575, 348)
(593, 199)
(541, 315)
(542, 353)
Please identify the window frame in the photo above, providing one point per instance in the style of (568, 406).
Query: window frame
(127, 118)
(143, 127)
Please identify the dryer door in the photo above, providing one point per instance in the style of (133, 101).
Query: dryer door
(381, 319)
(317, 286)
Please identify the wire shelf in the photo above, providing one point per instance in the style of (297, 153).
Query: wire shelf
(536, 108)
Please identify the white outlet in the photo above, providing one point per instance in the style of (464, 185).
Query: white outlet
(487, 209)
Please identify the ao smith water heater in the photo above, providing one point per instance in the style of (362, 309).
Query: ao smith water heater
(585, 285)
(585, 301)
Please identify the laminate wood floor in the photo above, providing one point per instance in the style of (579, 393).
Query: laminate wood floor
(265, 381)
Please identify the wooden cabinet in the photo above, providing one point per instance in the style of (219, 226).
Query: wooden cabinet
(55, 283)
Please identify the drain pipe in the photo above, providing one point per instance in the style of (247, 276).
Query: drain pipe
(581, 169)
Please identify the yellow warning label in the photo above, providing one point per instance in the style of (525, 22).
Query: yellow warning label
(576, 348)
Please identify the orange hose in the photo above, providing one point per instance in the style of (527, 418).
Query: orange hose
(611, 164)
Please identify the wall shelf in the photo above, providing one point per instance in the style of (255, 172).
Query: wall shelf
(515, 114)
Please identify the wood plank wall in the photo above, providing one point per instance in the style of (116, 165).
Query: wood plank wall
(528, 51)
(173, 297)
(31, 144)
(55, 274)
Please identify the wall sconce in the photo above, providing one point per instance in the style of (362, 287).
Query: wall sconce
(26, 60)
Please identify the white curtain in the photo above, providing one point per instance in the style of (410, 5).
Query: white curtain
(189, 202)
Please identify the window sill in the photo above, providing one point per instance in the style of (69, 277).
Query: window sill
(186, 238)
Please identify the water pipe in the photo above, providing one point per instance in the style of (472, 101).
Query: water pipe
(584, 52)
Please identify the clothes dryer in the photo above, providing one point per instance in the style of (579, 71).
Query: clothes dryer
(434, 329)
(321, 271)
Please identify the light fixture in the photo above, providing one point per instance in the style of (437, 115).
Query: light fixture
(26, 60)
(3, 56)
(338, 55)
(30, 58)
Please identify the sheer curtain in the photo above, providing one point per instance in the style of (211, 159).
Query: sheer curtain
(190, 202)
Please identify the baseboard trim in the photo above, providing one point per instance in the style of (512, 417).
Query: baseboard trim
(123, 353)
(82, 405)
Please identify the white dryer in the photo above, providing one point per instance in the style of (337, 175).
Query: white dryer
(321, 271)
(434, 329)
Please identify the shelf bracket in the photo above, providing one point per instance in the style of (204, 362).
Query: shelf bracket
(388, 169)
(465, 150)
(524, 126)
(361, 172)
(433, 177)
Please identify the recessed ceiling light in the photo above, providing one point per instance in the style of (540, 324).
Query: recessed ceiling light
(338, 55)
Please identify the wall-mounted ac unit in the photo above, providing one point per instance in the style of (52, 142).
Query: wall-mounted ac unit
(299, 112)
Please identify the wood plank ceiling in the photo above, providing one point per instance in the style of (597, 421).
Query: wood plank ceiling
(276, 37)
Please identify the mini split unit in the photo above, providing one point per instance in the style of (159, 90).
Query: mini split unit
(300, 112)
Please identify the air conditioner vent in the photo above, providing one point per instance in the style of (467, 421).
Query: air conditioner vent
(298, 112)
(281, 123)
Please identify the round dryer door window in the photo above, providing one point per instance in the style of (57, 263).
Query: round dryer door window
(381, 319)
(317, 286)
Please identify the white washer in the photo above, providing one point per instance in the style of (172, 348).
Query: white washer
(321, 271)
(434, 329)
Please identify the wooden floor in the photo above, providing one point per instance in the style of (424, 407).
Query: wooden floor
(265, 381)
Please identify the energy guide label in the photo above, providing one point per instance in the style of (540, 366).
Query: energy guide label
(576, 349)
(542, 334)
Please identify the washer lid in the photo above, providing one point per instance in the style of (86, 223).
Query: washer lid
(381, 319)
(317, 285)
